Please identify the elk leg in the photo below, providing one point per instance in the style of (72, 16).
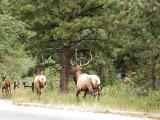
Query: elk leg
(98, 93)
(37, 89)
(90, 87)
(77, 93)
(9, 89)
(85, 93)
(99, 90)
(2, 91)
(91, 90)
(38, 92)
(45, 88)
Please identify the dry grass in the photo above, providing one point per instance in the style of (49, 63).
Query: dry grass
(110, 98)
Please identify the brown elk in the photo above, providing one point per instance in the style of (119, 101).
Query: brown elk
(84, 82)
(40, 82)
(6, 87)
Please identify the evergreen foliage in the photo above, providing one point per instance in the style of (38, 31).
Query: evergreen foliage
(14, 61)
(125, 34)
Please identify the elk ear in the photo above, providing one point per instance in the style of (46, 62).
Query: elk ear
(3, 77)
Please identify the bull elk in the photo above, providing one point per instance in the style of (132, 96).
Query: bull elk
(84, 82)
(6, 87)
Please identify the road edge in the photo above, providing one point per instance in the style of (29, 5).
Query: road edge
(153, 116)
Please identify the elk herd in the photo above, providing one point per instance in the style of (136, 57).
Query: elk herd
(84, 82)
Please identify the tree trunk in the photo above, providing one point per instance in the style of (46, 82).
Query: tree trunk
(153, 80)
(64, 75)
(153, 77)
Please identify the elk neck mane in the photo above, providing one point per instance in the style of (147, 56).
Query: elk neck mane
(76, 75)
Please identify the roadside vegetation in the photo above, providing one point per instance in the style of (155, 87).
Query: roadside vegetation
(111, 98)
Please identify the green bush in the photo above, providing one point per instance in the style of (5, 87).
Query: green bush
(14, 61)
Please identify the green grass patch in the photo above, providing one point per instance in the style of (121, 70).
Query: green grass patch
(116, 97)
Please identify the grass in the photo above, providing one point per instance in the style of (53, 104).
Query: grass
(116, 97)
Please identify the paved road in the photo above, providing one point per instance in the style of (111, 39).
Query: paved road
(8, 111)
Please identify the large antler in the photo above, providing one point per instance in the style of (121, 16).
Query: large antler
(74, 62)
(79, 59)
(89, 60)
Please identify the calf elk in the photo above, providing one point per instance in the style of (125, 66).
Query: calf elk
(6, 87)
(40, 82)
